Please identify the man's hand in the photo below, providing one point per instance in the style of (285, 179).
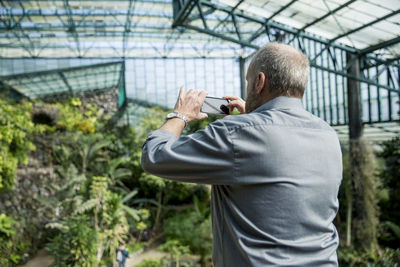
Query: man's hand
(236, 102)
(189, 104)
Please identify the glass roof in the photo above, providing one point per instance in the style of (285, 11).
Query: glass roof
(143, 28)
(109, 29)
(359, 24)
(71, 81)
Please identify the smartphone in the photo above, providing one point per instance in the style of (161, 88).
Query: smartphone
(215, 106)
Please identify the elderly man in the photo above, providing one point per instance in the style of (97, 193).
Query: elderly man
(275, 169)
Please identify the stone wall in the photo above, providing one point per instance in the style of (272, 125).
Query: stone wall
(28, 201)
(106, 101)
(25, 201)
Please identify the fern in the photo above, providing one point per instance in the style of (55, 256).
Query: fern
(59, 226)
(88, 205)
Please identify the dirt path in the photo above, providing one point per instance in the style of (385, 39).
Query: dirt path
(42, 259)
(151, 253)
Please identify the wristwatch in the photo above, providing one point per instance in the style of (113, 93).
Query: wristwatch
(177, 115)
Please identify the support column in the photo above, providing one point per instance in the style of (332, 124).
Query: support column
(362, 219)
(354, 99)
(242, 66)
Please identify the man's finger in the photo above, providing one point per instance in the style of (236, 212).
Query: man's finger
(236, 104)
(231, 97)
(202, 95)
(203, 116)
(182, 92)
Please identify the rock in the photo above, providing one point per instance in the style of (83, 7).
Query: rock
(26, 183)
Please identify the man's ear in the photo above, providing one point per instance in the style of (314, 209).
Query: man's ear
(260, 82)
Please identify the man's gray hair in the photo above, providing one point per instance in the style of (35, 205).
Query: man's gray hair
(285, 68)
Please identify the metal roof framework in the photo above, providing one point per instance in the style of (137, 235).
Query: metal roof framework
(336, 35)
(101, 29)
(63, 83)
(356, 70)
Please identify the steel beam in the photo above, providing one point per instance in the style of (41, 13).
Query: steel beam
(127, 27)
(182, 9)
(62, 76)
(39, 73)
(229, 15)
(261, 30)
(72, 27)
(78, 12)
(271, 24)
(327, 15)
(380, 46)
(365, 26)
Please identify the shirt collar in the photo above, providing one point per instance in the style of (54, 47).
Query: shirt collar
(281, 102)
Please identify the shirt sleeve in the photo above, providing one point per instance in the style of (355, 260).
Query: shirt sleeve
(203, 157)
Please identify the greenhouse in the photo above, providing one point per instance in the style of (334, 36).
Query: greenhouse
(84, 83)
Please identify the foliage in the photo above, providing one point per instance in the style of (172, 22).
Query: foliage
(390, 205)
(192, 228)
(352, 258)
(73, 116)
(153, 263)
(364, 197)
(175, 249)
(12, 244)
(76, 244)
(92, 165)
(16, 128)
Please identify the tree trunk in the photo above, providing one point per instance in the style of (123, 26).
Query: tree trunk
(364, 200)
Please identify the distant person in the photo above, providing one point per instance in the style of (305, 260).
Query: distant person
(122, 255)
(275, 170)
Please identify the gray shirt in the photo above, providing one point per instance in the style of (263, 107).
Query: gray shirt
(275, 176)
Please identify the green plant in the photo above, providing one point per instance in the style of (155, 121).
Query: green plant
(192, 228)
(76, 117)
(350, 257)
(175, 249)
(12, 244)
(390, 205)
(16, 128)
(154, 263)
(76, 244)
(364, 197)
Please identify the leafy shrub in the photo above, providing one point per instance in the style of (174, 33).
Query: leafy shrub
(76, 117)
(351, 258)
(13, 244)
(16, 128)
(76, 244)
(390, 205)
(192, 228)
(175, 249)
(153, 263)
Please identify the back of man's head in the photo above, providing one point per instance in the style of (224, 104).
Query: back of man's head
(285, 68)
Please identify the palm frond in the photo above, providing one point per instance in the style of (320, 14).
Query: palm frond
(131, 212)
(129, 196)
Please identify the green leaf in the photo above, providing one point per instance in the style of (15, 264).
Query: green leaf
(131, 212)
(394, 227)
(130, 195)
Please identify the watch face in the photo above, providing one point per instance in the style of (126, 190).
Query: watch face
(171, 115)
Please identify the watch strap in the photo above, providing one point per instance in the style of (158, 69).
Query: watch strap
(177, 115)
